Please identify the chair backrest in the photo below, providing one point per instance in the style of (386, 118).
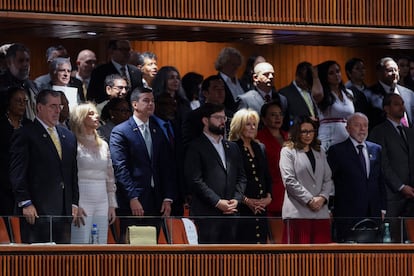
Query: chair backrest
(176, 231)
(4, 235)
(15, 229)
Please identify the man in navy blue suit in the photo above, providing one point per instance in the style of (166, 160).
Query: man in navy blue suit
(43, 173)
(356, 171)
(141, 161)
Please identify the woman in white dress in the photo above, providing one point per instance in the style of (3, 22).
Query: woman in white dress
(95, 175)
(334, 101)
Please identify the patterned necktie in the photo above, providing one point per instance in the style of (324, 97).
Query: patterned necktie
(362, 158)
(267, 98)
(125, 76)
(56, 141)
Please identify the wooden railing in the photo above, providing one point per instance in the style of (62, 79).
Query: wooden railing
(383, 13)
(338, 260)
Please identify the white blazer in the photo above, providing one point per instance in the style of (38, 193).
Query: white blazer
(302, 184)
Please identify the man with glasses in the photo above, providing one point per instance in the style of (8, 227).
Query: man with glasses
(43, 173)
(216, 179)
(116, 86)
(119, 52)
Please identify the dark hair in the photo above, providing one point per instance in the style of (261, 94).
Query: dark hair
(206, 82)
(110, 79)
(111, 105)
(266, 106)
(10, 93)
(247, 76)
(144, 55)
(307, 68)
(295, 134)
(137, 92)
(190, 83)
(14, 48)
(41, 98)
(388, 99)
(328, 99)
(207, 109)
(159, 84)
(350, 64)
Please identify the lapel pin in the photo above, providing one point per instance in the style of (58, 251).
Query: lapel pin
(135, 129)
(44, 135)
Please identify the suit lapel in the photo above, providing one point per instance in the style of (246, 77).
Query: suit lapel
(49, 143)
(215, 153)
(137, 132)
(309, 165)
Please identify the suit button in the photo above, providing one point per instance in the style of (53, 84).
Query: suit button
(62, 185)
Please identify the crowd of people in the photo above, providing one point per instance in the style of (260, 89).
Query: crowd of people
(126, 140)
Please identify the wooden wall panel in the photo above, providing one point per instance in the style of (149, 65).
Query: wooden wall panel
(200, 56)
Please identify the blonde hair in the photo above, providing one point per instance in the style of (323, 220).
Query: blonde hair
(239, 121)
(77, 118)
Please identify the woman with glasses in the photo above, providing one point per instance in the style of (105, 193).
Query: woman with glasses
(95, 175)
(334, 101)
(257, 196)
(12, 119)
(307, 179)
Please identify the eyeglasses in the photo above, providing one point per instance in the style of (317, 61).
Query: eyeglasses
(218, 117)
(119, 87)
(307, 131)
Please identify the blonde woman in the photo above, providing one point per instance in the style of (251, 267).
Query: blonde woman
(95, 175)
(257, 196)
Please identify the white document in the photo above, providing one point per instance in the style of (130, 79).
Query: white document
(70, 92)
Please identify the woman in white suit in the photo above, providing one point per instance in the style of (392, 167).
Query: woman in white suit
(307, 179)
(95, 175)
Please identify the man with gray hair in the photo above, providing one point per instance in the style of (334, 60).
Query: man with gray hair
(60, 75)
(147, 63)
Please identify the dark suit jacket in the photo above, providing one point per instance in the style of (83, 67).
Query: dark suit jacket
(133, 167)
(229, 101)
(207, 178)
(37, 173)
(355, 194)
(397, 158)
(296, 104)
(254, 100)
(96, 88)
(377, 116)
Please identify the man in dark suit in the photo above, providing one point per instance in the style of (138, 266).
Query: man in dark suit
(397, 143)
(388, 76)
(264, 92)
(213, 91)
(359, 186)
(145, 181)
(43, 173)
(120, 51)
(216, 178)
(300, 102)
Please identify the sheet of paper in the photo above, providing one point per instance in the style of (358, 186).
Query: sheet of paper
(70, 92)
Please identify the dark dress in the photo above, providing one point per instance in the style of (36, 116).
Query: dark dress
(259, 184)
(7, 202)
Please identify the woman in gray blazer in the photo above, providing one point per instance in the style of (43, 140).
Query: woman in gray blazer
(307, 179)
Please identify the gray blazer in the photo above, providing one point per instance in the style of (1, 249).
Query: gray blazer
(302, 183)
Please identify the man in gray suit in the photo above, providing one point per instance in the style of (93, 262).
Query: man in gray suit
(216, 178)
(264, 92)
(397, 143)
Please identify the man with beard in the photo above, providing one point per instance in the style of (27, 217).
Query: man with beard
(216, 179)
(17, 74)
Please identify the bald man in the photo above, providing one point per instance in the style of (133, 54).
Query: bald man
(86, 62)
(263, 91)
